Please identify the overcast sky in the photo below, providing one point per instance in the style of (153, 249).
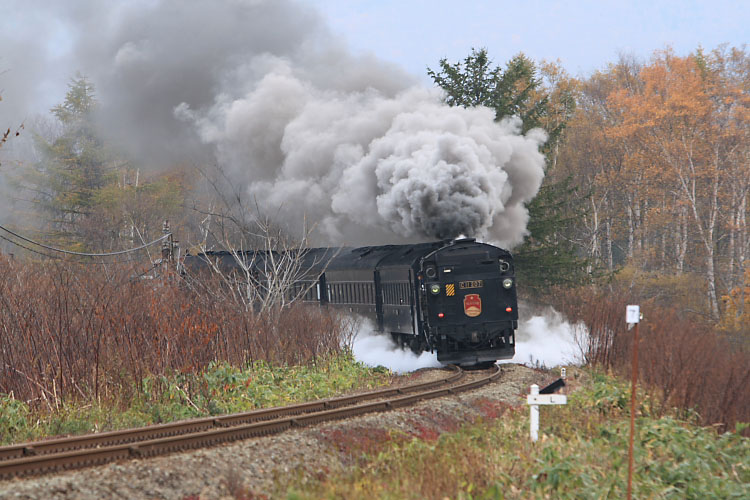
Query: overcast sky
(584, 35)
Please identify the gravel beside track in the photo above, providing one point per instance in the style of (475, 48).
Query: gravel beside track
(253, 465)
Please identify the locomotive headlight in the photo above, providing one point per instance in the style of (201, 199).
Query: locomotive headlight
(435, 289)
(507, 283)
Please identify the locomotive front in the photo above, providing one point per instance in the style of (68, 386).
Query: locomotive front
(468, 302)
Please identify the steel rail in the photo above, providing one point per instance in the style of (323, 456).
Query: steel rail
(36, 458)
(202, 424)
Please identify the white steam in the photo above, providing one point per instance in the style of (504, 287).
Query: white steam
(548, 340)
(376, 349)
(545, 340)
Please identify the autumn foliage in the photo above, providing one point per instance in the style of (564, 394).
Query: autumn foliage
(71, 332)
(660, 151)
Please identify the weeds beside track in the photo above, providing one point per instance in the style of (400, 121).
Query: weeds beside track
(44, 456)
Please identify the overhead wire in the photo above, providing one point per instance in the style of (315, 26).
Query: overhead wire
(28, 248)
(79, 254)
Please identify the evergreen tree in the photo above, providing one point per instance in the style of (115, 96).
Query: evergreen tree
(547, 257)
(75, 166)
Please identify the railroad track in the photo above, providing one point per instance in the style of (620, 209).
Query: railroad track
(95, 449)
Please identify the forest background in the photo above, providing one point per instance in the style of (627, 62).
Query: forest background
(648, 171)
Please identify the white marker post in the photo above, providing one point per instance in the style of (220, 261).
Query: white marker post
(534, 399)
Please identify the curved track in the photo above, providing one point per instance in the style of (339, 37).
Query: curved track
(94, 449)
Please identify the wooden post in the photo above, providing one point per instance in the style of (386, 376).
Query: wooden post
(633, 317)
(534, 417)
(534, 399)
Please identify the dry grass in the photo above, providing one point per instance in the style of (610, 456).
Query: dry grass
(70, 334)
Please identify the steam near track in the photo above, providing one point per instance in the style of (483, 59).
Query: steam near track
(296, 120)
(544, 339)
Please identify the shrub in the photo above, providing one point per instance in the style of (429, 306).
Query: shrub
(684, 362)
(73, 334)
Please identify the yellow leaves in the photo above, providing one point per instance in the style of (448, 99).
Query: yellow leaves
(737, 307)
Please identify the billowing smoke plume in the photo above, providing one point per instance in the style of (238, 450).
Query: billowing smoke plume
(263, 89)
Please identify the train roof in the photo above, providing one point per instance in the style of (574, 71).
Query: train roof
(368, 257)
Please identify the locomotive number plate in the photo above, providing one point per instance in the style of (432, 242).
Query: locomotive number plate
(471, 284)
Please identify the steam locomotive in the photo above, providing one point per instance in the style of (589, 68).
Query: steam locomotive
(456, 297)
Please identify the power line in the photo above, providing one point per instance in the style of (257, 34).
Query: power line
(80, 254)
(28, 248)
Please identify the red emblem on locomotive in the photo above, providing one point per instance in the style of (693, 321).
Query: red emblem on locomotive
(472, 305)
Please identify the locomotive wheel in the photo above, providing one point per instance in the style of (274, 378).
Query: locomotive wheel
(416, 346)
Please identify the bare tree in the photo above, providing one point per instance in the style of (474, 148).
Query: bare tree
(260, 265)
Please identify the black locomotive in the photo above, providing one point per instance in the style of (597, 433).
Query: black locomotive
(456, 297)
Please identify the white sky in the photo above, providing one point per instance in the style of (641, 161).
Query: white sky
(584, 35)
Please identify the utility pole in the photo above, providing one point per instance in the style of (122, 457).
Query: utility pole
(167, 245)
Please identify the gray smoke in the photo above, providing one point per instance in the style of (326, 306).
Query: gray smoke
(263, 89)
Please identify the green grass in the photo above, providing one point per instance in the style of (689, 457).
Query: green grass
(582, 453)
(219, 389)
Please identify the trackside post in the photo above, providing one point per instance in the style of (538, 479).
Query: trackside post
(632, 317)
(534, 399)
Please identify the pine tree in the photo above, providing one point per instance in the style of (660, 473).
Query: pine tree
(546, 257)
(75, 166)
